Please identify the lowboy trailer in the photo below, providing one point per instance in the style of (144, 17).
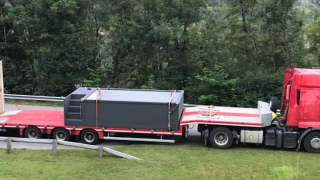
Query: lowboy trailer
(118, 114)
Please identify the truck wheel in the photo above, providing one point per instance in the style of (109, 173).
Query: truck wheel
(274, 104)
(312, 142)
(61, 134)
(221, 138)
(33, 133)
(89, 136)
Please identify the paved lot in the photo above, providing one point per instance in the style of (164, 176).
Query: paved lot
(192, 136)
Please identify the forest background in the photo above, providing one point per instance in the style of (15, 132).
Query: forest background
(221, 52)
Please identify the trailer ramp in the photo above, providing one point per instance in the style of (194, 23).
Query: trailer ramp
(251, 117)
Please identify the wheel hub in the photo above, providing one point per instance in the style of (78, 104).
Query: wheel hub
(89, 137)
(33, 134)
(315, 143)
(221, 138)
(61, 136)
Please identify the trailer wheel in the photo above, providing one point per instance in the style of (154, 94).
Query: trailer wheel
(221, 138)
(274, 104)
(61, 134)
(312, 142)
(89, 136)
(32, 132)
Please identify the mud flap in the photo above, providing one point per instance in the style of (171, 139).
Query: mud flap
(206, 135)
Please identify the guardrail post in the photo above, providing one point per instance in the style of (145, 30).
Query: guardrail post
(9, 145)
(100, 151)
(54, 147)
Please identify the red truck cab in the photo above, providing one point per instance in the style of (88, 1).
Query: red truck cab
(301, 97)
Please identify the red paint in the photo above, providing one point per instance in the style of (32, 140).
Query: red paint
(223, 114)
(304, 101)
(55, 119)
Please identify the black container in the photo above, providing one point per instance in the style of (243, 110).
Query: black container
(290, 139)
(124, 108)
(270, 138)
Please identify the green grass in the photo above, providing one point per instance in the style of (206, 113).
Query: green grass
(34, 103)
(179, 161)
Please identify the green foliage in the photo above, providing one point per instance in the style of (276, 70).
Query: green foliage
(96, 77)
(176, 161)
(258, 85)
(222, 52)
(213, 86)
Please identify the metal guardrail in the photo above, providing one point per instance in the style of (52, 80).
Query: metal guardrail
(34, 98)
(66, 143)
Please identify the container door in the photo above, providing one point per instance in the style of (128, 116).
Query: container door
(309, 104)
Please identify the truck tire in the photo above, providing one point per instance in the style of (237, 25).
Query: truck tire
(311, 142)
(89, 136)
(274, 104)
(61, 134)
(221, 138)
(32, 132)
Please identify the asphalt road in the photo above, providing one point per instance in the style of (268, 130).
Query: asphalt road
(193, 135)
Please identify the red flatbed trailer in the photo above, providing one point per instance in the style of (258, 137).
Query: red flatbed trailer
(220, 126)
(47, 122)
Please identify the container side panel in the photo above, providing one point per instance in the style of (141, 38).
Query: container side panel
(151, 96)
(135, 115)
(88, 113)
(66, 104)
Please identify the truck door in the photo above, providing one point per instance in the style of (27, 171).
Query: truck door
(309, 103)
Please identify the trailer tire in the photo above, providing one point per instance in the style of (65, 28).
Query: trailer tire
(89, 136)
(274, 104)
(221, 138)
(311, 142)
(32, 133)
(61, 134)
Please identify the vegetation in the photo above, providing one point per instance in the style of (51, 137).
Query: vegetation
(180, 161)
(221, 52)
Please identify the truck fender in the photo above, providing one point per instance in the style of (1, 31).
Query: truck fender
(304, 134)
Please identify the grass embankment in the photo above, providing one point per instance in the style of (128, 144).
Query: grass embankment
(180, 161)
(34, 103)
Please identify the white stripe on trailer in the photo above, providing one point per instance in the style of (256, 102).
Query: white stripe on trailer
(225, 109)
(6, 126)
(129, 131)
(142, 132)
(10, 113)
(3, 120)
(139, 139)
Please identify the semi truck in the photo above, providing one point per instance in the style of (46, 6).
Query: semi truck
(92, 114)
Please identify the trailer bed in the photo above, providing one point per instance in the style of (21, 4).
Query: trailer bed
(48, 121)
(235, 116)
(39, 118)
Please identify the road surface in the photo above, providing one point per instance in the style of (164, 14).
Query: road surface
(193, 135)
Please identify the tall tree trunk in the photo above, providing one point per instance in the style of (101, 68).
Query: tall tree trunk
(184, 56)
(244, 11)
(286, 41)
(272, 34)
